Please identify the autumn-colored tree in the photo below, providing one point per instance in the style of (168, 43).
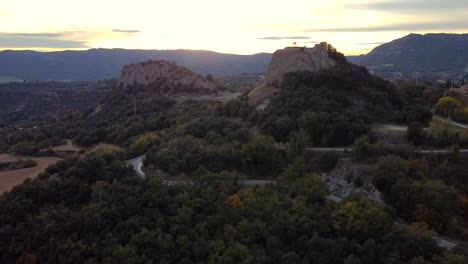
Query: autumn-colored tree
(235, 201)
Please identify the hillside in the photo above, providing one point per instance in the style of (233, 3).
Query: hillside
(433, 56)
(107, 63)
(40, 100)
(147, 90)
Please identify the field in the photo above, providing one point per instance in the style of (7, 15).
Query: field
(9, 179)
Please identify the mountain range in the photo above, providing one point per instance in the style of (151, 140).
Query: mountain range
(429, 56)
(98, 64)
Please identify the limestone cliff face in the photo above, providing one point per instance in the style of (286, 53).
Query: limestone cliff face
(165, 78)
(290, 60)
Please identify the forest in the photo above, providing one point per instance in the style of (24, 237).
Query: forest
(92, 208)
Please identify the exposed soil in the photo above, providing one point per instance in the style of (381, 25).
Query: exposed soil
(9, 179)
(67, 147)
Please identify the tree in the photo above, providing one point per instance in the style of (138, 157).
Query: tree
(297, 145)
(143, 144)
(415, 133)
(362, 148)
(295, 170)
(359, 217)
(260, 155)
(25, 148)
(328, 161)
(447, 105)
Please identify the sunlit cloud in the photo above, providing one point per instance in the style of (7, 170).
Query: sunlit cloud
(242, 26)
(410, 6)
(130, 31)
(371, 43)
(401, 26)
(71, 39)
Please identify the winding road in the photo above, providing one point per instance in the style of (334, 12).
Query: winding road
(137, 165)
(349, 150)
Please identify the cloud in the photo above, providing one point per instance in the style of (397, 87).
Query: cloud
(71, 39)
(129, 31)
(404, 26)
(40, 40)
(371, 43)
(33, 35)
(409, 6)
(282, 38)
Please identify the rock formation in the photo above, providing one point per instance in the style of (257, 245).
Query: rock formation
(290, 59)
(167, 78)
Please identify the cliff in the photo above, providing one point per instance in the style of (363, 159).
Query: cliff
(165, 78)
(290, 59)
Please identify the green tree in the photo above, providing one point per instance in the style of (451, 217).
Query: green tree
(362, 149)
(297, 145)
(359, 217)
(447, 105)
(260, 155)
(415, 133)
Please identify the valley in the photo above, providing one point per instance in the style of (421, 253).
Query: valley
(315, 161)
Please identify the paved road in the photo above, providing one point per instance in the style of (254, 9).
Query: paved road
(137, 164)
(390, 127)
(349, 149)
(458, 124)
(256, 182)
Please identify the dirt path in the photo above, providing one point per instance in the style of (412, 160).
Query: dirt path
(67, 147)
(9, 179)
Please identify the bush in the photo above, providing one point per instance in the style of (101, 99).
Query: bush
(415, 133)
(25, 149)
(328, 161)
(142, 144)
(17, 165)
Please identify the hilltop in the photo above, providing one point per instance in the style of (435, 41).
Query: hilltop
(432, 56)
(291, 59)
(166, 78)
(318, 91)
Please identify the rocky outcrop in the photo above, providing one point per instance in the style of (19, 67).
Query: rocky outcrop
(290, 59)
(167, 78)
(347, 179)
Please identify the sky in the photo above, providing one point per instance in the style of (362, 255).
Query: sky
(228, 26)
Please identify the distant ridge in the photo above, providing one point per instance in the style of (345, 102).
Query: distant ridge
(430, 56)
(98, 64)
